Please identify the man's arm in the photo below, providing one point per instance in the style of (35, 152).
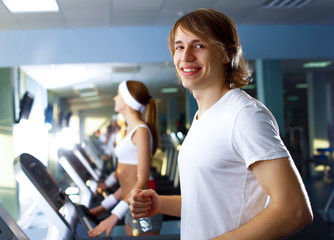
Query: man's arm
(171, 205)
(289, 209)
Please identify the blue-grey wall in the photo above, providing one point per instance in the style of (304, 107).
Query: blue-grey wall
(149, 44)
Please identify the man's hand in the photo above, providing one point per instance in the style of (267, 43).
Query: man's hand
(144, 203)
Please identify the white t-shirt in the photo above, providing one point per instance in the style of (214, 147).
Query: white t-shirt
(219, 192)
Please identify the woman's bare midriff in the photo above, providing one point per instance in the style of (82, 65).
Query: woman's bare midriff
(127, 177)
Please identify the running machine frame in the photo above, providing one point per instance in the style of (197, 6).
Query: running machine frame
(53, 201)
(9, 229)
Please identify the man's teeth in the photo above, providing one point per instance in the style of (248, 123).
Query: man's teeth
(189, 69)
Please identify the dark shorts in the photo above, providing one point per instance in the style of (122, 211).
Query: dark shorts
(150, 224)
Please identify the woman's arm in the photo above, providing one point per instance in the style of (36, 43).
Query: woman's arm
(141, 138)
(107, 203)
(289, 209)
(170, 205)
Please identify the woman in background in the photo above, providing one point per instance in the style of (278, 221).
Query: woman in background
(134, 154)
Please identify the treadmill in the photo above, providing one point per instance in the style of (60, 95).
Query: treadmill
(69, 221)
(9, 229)
(87, 161)
(93, 152)
(80, 176)
(62, 213)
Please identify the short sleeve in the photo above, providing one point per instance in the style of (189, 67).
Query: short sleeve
(256, 135)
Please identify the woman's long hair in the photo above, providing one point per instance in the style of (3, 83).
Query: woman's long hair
(141, 93)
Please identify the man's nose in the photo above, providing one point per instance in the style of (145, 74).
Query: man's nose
(188, 55)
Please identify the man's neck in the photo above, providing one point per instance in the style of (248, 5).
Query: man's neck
(208, 97)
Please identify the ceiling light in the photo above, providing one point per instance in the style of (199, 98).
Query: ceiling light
(301, 85)
(270, 3)
(91, 99)
(17, 6)
(286, 3)
(302, 4)
(293, 98)
(322, 64)
(169, 90)
(84, 86)
(88, 94)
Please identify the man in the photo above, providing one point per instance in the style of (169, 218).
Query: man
(237, 178)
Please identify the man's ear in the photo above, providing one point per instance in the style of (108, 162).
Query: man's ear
(226, 59)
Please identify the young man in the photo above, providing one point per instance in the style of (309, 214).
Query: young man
(237, 178)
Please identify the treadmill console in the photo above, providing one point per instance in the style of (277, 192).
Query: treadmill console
(75, 163)
(42, 178)
(85, 155)
(9, 228)
(53, 201)
(80, 176)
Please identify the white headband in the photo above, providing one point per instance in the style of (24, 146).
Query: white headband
(128, 99)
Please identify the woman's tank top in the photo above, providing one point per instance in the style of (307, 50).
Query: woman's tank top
(126, 152)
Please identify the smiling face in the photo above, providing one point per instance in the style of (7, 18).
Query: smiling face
(197, 64)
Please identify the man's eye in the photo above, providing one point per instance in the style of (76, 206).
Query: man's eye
(199, 46)
(178, 47)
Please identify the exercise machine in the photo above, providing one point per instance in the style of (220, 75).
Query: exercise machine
(69, 220)
(85, 181)
(62, 213)
(9, 229)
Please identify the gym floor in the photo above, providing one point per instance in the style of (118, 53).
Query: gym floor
(319, 191)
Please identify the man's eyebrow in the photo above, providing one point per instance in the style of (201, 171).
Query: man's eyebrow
(192, 42)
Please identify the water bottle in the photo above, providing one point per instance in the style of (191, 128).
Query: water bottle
(145, 224)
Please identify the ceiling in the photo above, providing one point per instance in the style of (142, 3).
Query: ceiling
(122, 13)
(119, 13)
